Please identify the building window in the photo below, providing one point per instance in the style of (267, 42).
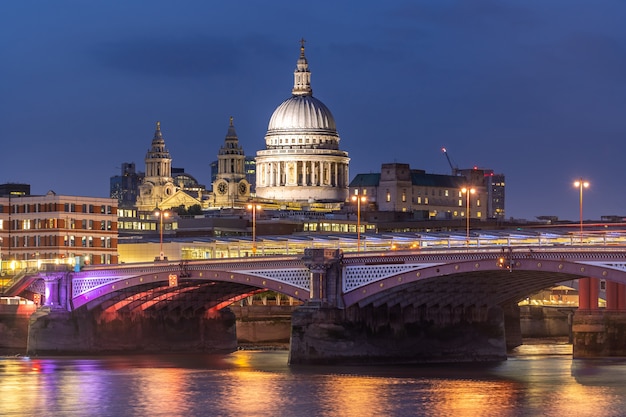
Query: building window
(445, 193)
(403, 196)
(425, 200)
(388, 196)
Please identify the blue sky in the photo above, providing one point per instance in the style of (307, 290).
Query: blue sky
(532, 89)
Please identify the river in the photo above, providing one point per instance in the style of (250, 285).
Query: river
(536, 380)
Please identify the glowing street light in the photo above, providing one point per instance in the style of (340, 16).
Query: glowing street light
(580, 184)
(467, 192)
(358, 198)
(254, 208)
(161, 214)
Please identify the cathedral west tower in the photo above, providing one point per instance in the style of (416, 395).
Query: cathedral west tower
(230, 187)
(302, 160)
(158, 184)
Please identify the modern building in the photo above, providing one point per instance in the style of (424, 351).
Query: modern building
(494, 185)
(14, 189)
(125, 187)
(302, 160)
(56, 229)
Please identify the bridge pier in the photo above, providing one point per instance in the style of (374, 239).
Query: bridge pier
(599, 333)
(58, 332)
(326, 335)
(324, 331)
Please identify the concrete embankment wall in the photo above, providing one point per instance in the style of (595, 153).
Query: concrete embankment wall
(541, 322)
(260, 324)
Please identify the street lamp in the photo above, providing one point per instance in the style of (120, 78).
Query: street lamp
(161, 214)
(467, 192)
(254, 208)
(358, 198)
(580, 184)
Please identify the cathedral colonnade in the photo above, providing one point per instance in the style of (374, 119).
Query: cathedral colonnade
(302, 173)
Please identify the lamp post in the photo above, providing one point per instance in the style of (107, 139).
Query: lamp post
(254, 208)
(581, 184)
(467, 192)
(358, 198)
(160, 214)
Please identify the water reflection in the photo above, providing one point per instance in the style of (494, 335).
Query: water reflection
(261, 384)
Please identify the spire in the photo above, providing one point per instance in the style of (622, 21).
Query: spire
(302, 75)
(231, 143)
(158, 159)
(158, 136)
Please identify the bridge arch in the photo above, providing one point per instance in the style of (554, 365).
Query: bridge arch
(195, 286)
(490, 281)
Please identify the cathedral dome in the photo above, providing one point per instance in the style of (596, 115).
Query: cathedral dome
(302, 112)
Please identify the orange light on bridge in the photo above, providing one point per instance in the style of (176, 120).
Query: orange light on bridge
(173, 280)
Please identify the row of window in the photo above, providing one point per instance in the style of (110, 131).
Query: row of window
(70, 241)
(300, 141)
(36, 224)
(54, 207)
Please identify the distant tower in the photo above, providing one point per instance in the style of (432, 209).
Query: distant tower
(230, 187)
(158, 183)
(302, 160)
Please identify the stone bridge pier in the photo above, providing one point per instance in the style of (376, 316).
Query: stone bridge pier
(324, 331)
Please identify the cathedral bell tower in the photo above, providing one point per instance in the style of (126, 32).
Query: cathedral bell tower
(158, 183)
(230, 188)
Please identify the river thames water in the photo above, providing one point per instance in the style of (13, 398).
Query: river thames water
(536, 380)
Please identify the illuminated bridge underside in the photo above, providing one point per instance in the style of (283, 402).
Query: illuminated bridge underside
(419, 279)
(196, 286)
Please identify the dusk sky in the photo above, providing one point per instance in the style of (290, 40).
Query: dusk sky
(535, 90)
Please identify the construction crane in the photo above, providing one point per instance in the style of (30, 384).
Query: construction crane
(455, 170)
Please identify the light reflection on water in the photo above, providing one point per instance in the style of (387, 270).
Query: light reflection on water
(535, 381)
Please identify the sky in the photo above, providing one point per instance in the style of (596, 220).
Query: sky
(532, 89)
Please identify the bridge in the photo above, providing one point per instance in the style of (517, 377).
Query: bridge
(443, 304)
